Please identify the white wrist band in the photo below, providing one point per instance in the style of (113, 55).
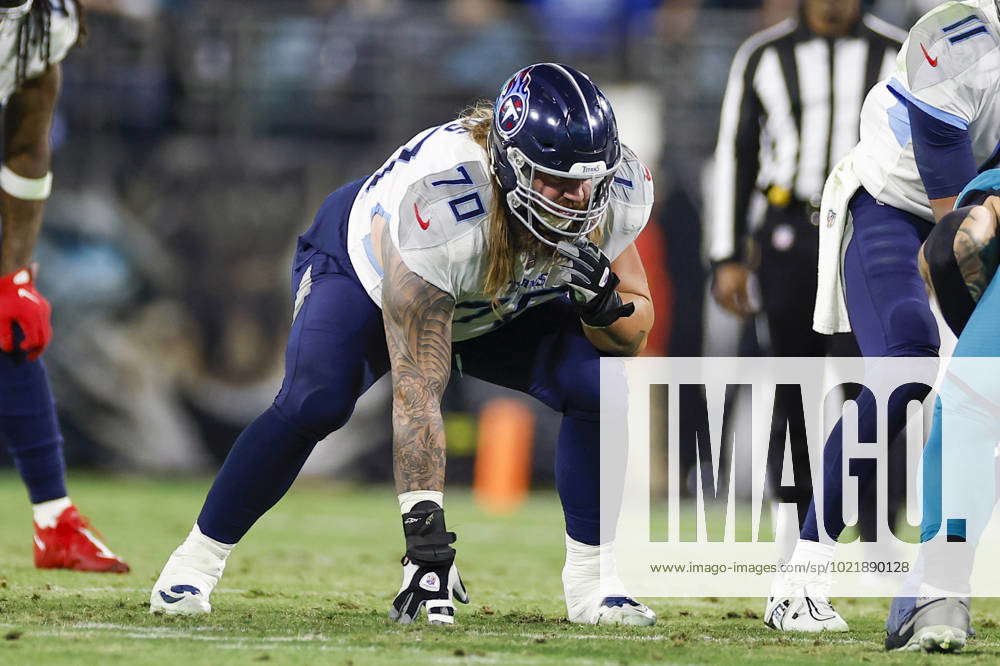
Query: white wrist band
(410, 498)
(29, 189)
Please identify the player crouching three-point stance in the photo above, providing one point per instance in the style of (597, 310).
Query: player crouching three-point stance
(34, 38)
(501, 242)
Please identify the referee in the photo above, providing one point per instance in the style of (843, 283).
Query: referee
(790, 112)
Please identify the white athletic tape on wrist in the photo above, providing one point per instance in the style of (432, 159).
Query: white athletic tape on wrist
(29, 189)
(410, 498)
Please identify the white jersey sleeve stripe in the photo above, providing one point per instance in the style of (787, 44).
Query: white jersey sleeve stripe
(898, 89)
(370, 252)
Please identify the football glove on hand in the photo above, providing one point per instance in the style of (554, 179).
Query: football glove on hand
(21, 304)
(435, 586)
(592, 284)
(430, 576)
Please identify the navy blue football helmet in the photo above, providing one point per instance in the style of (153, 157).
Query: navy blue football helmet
(552, 119)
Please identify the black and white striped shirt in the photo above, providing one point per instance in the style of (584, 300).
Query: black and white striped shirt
(792, 109)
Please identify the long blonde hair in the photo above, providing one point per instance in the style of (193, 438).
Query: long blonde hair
(501, 244)
(504, 243)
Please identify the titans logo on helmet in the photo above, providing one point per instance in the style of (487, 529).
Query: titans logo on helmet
(513, 104)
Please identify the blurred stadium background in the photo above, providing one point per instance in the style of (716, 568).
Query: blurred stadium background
(194, 141)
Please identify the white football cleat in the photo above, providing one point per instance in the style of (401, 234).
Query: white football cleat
(189, 576)
(625, 610)
(803, 610)
(591, 600)
(799, 599)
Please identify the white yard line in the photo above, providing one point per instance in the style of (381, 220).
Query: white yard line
(325, 642)
(75, 590)
(201, 634)
(260, 643)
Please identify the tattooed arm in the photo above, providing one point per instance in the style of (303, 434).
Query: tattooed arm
(418, 334)
(977, 248)
(417, 318)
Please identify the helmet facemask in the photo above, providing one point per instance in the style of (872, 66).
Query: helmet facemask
(555, 220)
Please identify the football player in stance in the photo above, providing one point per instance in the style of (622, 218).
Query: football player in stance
(500, 244)
(35, 35)
(958, 262)
(925, 133)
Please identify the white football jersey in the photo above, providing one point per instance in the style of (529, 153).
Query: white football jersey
(436, 193)
(64, 30)
(949, 67)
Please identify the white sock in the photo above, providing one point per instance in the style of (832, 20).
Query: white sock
(911, 584)
(929, 591)
(201, 544)
(808, 567)
(583, 583)
(46, 514)
(813, 552)
(786, 528)
(594, 564)
(581, 580)
(581, 555)
(410, 499)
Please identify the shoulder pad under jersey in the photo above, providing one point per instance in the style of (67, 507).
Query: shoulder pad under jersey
(442, 206)
(631, 204)
(947, 42)
(633, 182)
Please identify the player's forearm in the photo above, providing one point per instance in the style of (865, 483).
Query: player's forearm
(27, 158)
(417, 317)
(22, 218)
(626, 336)
(418, 443)
(21, 222)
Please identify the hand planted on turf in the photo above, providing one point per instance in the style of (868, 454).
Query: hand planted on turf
(434, 586)
(592, 284)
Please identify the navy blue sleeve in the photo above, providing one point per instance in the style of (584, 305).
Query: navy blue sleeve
(943, 152)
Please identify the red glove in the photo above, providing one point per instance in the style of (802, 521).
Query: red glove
(21, 304)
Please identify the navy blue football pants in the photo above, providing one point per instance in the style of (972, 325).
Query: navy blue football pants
(890, 315)
(336, 350)
(29, 428)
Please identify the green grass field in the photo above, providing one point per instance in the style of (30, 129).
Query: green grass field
(312, 581)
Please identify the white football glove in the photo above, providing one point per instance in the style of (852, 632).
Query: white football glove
(437, 587)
